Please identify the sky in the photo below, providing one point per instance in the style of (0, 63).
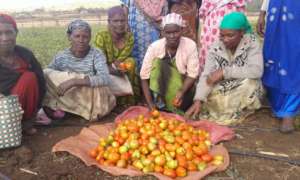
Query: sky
(21, 5)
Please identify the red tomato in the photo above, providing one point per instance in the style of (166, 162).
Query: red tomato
(192, 166)
(155, 113)
(128, 66)
(207, 157)
(170, 172)
(158, 169)
(181, 171)
(93, 153)
(182, 161)
(122, 66)
(113, 157)
(176, 103)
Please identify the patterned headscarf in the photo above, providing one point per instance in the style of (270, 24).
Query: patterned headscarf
(172, 18)
(8, 19)
(78, 24)
(236, 21)
(115, 10)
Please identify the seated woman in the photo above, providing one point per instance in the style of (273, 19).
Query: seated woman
(117, 43)
(78, 79)
(170, 68)
(20, 72)
(230, 86)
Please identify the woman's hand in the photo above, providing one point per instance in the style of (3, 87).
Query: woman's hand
(178, 98)
(65, 86)
(120, 66)
(114, 70)
(147, 94)
(260, 27)
(116, 63)
(151, 107)
(194, 110)
(214, 77)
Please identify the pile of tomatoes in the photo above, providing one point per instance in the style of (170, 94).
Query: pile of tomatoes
(156, 144)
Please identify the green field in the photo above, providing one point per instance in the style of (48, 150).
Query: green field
(45, 42)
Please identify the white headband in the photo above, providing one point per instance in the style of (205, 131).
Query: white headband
(173, 18)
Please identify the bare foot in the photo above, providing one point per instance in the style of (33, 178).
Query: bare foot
(287, 125)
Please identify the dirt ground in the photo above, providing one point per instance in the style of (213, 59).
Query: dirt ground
(258, 133)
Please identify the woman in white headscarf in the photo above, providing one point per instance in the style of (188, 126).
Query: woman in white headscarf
(170, 68)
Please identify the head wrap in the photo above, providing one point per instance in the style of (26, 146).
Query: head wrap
(78, 24)
(236, 21)
(8, 19)
(172, 18)
(115, 10)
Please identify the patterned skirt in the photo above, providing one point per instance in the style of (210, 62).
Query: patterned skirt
(232, 100)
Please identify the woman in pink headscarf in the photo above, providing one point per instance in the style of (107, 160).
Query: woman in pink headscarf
(211, 13)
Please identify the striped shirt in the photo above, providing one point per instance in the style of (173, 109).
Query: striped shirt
(93, 61)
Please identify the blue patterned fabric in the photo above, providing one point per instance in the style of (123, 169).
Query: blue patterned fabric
(144, 32)
(282, 55)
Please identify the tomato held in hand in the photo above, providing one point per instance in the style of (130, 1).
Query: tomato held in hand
(128, 66)
(122, 66)
(176, 102)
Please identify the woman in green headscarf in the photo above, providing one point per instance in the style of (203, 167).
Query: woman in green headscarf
(117, 43)
(230, 87)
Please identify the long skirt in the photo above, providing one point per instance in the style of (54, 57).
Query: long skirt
(232, 100)
(281, 71)
(91, 103)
